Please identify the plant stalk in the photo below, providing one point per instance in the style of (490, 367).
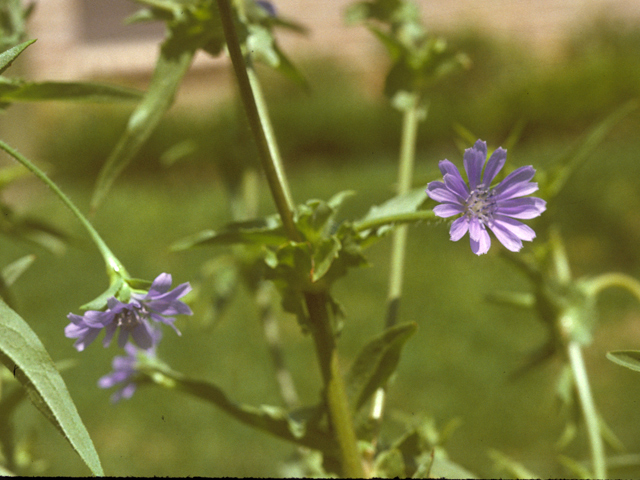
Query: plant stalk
(113, 264)
(411, 119)
(340, 418)
(588, 410)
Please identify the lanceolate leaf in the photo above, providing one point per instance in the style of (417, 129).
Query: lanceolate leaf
(10, 55)
(376, 362)
(19, 91)
(164, 85)
(23, 353)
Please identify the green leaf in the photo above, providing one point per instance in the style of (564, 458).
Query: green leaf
(164, 85)
(576, 156)
(8, 56)
(101, 301)
(12, 272)
(380, 218)
(389, 464)
(23, 353)
(376, 362)
(626, 358)
(299, 429)
(265, 231)
(70, 91)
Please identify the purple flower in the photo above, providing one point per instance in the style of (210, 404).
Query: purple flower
(124, 369)
(483, 206)
(268, 6)
(133, 317)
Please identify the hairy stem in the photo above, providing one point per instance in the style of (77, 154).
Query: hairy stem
(114, 267)
(340, 418)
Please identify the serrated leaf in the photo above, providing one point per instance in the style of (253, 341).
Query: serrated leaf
(69, 91)
(8, 56)
(376, 362)
(274, 420)
(23, 353)
(626, 358)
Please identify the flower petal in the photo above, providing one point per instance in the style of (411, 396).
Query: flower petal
(446, 210)
(474, 161)
(456, 185)
(161, 284)
(458, 229)
(440, 193)
(446, 166)
(514, 227)
(529, 207)
(506, 238)
(494, 165)
(516, 184)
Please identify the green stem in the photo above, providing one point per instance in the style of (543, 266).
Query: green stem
(410, 121)
(340, 418)
(272, 169)
(599, 283)
(588, 410)
(113, 264)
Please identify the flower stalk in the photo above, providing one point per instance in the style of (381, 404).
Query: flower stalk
(114, 267)
(340, 418)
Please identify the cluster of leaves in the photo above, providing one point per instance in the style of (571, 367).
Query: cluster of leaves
(419, 59)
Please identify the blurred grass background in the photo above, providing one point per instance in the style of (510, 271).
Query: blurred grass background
(339, 138)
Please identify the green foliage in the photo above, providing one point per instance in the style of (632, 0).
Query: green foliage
(23, 353)
(375, 363)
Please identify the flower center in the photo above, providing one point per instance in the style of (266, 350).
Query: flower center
(129, 319)
(480, 204)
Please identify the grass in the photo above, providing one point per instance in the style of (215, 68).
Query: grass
(456, 366)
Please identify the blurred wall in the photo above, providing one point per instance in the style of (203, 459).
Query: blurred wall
(86, 38)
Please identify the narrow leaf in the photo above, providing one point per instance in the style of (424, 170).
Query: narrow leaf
(8, 56)
(265, 231)
(376, 362)
(171, 67)
(626, 358)
(12, 272)
(23, 353)
(274, 420)
(71, 91)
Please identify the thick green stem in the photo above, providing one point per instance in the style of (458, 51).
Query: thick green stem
(588, 410)
(340, 417)
(272, 169)
(114, 267)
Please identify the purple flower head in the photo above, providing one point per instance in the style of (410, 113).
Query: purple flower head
(131, 318)
(484, 206)
(268, 6)
(124, 369)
